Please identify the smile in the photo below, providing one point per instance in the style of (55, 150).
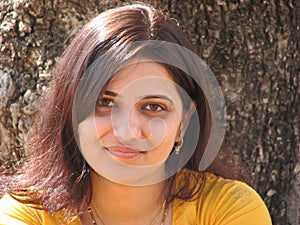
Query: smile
(123, 152)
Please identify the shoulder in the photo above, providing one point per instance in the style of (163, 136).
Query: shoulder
(14, 212)
(223, 201)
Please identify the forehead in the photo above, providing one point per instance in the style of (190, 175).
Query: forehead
(143, 79)
(137, 71)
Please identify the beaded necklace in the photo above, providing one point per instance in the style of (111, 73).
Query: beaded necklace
(163, 207)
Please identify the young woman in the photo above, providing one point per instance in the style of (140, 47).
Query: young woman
(125, 126)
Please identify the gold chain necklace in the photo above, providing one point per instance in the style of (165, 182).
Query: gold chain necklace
(164, 207)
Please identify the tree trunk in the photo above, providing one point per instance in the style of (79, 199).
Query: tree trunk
(253, 48)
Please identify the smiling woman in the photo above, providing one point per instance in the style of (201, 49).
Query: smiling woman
(143, 94)
(129, 119)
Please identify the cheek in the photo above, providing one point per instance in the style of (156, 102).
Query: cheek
(103, 125)
(165, 148)
(173, 127)
(172, 134)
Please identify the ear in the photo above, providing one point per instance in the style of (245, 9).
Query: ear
(186, 118)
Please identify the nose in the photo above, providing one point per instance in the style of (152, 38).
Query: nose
(127, 124)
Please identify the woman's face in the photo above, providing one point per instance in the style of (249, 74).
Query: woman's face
(137, 119)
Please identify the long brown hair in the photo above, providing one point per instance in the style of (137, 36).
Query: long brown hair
(57, 174)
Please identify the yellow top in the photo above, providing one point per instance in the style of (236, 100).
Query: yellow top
(221, 201)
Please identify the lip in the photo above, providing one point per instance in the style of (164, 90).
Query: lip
(123, 152)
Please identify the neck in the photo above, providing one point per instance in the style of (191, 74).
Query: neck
(121, 204)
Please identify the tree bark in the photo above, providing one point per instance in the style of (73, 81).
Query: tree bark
(253, 48)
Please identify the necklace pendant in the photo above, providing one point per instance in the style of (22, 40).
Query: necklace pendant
(89, 209)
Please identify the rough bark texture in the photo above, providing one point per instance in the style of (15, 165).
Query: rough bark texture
(253, 47)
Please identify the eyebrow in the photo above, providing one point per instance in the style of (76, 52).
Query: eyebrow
(158, 96)
(113, 94)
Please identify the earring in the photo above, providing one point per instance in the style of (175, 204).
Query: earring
(178, 145)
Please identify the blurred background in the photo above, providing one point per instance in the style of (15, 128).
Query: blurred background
(252, 47)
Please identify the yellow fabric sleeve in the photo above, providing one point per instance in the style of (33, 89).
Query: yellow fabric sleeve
(14, 213)
(222, 202)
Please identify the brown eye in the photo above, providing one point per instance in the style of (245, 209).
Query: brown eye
(154, 107)
(104, 106)
(106, 102)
